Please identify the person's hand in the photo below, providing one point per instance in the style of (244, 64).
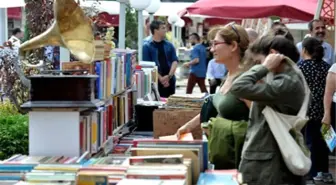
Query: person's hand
(272, 61)
(164, 80)
(182, 130)
(326, 120)
(206, 130)
(187, 64)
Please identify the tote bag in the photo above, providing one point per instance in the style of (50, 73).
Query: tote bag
(286, 130)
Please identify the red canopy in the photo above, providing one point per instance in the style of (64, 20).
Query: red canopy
(295, 9)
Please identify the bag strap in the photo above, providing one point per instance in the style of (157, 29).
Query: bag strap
(304, 107)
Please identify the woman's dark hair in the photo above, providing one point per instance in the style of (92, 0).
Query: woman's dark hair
(314, 48)
(284, 32)
(279, 43)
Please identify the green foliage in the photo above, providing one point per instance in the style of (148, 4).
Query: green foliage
(13, 131)
(131, 35)
(7, 108)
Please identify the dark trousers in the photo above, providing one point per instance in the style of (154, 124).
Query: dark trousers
(213, 86)
(193, 80)
(317, 146)
(165, 92)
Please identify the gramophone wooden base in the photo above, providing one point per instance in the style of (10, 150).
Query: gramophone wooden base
(62, 87)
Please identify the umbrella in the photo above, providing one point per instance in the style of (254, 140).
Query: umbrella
(295, 9)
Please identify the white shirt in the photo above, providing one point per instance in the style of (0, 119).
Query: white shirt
(333, 70)
(15, 41)
(215, 70)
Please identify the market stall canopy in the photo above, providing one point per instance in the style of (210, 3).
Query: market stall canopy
(295, 9)
(11, 3)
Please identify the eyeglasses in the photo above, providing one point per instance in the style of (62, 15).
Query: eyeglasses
(215, 43)
(233, 27)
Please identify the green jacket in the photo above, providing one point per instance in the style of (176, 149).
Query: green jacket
(262, 162)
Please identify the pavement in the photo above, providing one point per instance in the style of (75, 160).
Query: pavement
(332, 168)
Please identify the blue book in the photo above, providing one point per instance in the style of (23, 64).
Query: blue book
(329, 136)
(216, 179)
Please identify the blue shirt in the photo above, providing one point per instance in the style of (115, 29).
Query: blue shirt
(329, 56)
(216, 70)
(150, 52)
(199, 51)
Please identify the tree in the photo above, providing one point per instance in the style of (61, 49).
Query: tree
(39, 17)
(131, 28)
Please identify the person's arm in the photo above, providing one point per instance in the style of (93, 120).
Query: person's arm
(193, 123)
(246, 86)
(174, 63)
(195, 55)
(329, 92)
(146, 55)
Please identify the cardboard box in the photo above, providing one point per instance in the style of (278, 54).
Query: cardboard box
(167, 121)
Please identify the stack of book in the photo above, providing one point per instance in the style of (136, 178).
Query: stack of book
(114, 74)
(145, 75)
(39, 169)
(108, 169)
(186, 101)
(100, 50)
(227, 177)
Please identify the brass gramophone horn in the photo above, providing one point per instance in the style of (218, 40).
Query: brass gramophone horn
(71, 29)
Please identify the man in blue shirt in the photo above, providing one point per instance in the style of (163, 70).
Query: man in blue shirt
(317, 29)
(163, 53)
(197, 65)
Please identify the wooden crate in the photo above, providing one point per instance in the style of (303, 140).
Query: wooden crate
(167, 121)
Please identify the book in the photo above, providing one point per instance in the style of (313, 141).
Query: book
(183, 137)
(329, 136)
(156, 159)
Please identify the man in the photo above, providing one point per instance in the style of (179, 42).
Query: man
(15, 39)
(163, 53)
(252, 34)
(215, 74)
(197, 64)
(317, 29)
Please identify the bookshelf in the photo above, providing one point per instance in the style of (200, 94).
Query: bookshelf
(76, 114)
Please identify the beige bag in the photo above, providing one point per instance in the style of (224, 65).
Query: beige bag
(286, 130)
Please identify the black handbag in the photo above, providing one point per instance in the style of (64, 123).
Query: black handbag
(208, 110)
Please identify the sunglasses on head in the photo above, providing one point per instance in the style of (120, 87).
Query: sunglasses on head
(233, 27)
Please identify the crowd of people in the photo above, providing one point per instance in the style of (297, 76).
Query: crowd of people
(242, 60)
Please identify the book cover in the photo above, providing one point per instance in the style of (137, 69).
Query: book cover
(329, 136)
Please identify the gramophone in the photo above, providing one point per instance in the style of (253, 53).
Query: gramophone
(72, 30)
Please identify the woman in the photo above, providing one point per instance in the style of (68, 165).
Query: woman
(330, 98)
(228, 47)
(262, 162)
(315, 71)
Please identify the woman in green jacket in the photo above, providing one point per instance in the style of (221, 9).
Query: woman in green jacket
(262, 162)
(229, 44)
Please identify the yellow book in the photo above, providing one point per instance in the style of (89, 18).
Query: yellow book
(94, 133)
(92, 178)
